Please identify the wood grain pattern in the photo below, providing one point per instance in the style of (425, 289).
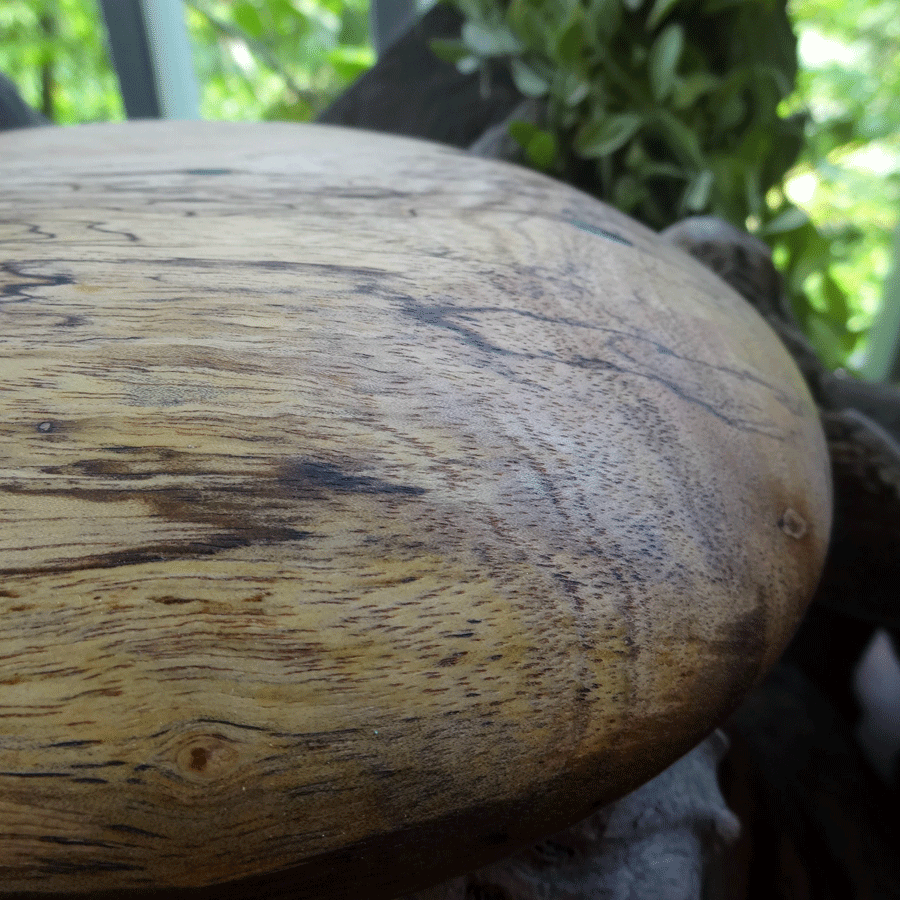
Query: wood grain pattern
(358, 498)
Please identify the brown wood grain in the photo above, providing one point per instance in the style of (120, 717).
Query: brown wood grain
(365, 508)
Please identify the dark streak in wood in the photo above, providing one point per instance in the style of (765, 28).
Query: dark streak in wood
(601, 232)
(309, 479)
(20, 291)
(129, 236)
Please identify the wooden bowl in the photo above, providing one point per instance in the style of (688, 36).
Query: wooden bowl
(367, 509)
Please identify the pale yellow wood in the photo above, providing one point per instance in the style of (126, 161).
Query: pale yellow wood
(365, 508)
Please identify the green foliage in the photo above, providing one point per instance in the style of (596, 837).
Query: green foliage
(276, 59)
(55, 53)
(850, 169)
(664, 108)
(808, 255)
(667, 108)
(539, 145)
(255, 59)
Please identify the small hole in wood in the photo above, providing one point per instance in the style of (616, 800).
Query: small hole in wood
(199, 758)
(793, 524)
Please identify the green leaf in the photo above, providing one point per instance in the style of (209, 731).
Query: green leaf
(485, 42)
(576, 91)
(570, 88)
(809, 251)
(634, 5)
(827, 339)
(789, 220)
(542, 150)
(726, 100)
(522, 132)
(681, 139)
(645, 167)
(616, 78)
(283, 11)
(661, 8)
(540, 145)
(468, 65)
(449, 50)
(600, 138)
(836, 306)
(628, 192)
(602, 20)
(283, 111)
(529, 82)
(350, 62)
(696, 196)
(691, 88)
(247, 18)
(526, 22)
(664, 58)
(570, 43)
(730, 114)
(471, 9)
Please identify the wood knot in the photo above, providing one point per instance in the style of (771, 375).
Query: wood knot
(206, 757)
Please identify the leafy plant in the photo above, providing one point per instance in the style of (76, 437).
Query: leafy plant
(662, 107)
(669, 108)
(850, 168)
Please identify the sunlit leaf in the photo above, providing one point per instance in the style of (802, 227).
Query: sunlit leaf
(522, 132)
(540, 145)
(664, 57)
(600, 138)
(660, 9)
(485, 41)
(247, 18)
(827, 340)
(541, 150)
(789, 220)
(836, 306)
(350, 62)
(529, 82)
(696, 197)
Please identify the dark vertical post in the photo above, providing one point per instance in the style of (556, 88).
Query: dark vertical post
(389, 20)
(130, 49)
(151, 51)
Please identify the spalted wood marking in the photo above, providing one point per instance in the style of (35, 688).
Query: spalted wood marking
(356, 494)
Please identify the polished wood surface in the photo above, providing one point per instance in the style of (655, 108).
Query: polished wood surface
(365, 508)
